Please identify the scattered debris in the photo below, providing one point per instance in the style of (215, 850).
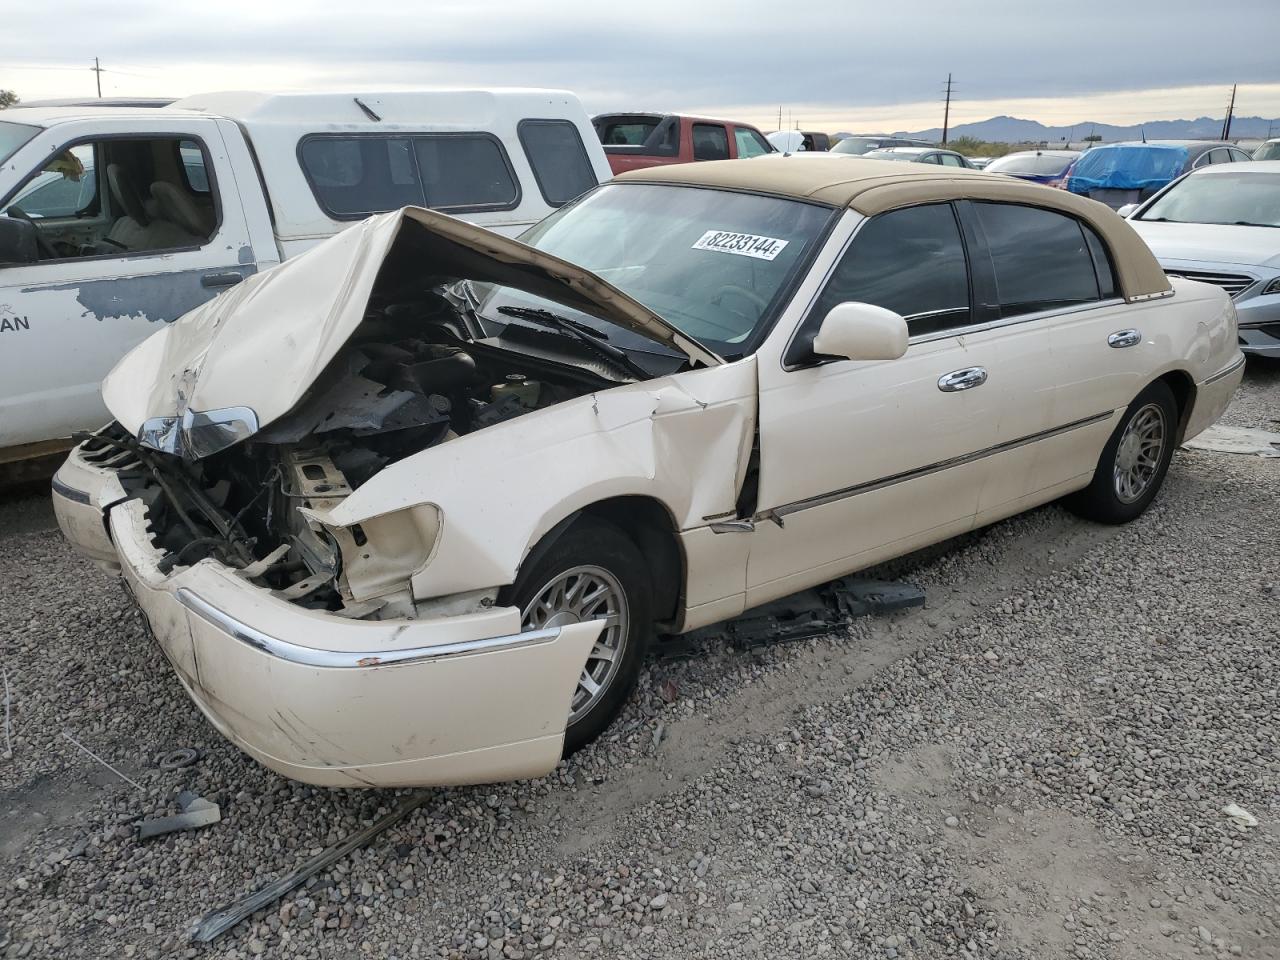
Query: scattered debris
(658, 733)
(218, 922)
(669, 691)
(803, 615)
(1240, 815)
(1247, 440)
(177, 759)
(103, 762)
(196, 812)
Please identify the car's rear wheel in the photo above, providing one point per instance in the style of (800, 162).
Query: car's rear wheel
(592, 571)
(1135, 460)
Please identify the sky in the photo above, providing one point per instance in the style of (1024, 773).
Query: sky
(829, 64)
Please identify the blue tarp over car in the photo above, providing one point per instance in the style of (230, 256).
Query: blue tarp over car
(1129, 166)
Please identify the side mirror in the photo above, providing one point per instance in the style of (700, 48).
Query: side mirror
(1127, 209)
(861, 331)
(17, 241)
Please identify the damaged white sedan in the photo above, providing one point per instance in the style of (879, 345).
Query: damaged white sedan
(407, 509)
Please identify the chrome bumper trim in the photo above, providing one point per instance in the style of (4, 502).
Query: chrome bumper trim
(1236, 365)
(70, 493)
(358, 659)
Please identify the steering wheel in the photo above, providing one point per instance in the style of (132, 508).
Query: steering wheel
(733, 289)
(46, 248)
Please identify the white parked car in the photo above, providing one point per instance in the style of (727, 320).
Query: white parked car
(408, 508)
(1221, 224)
(117, 219)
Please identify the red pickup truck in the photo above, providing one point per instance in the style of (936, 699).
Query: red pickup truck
(635, 140)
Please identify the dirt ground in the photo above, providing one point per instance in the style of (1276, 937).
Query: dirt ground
(1033, 765)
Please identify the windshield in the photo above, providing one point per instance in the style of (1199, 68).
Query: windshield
(857, 145)
(12, 136)
(1231, 198)
(891, 155)
(1268, 151)
(715, 264)
(1030, 164)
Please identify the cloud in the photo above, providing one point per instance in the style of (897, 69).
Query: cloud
(833, 57)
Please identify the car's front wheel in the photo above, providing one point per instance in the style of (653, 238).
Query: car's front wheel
(592, 571)
(1135, 460)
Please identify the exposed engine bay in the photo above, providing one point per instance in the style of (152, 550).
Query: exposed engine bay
(406, 381)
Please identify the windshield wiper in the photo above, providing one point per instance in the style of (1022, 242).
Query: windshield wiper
(1250, 223)
(579, 331)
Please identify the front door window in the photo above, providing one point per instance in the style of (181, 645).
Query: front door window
(118, 196)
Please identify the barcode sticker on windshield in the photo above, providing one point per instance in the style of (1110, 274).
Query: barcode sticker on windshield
(743, 244)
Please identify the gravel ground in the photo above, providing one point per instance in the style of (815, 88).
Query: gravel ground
(1032, 766)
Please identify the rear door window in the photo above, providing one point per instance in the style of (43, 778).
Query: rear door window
(558, 158)
(353, 177)
(950, 160)
(710, 142)
(1042, 259)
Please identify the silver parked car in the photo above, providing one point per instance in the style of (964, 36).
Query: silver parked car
(946, 158)
(1221, 225)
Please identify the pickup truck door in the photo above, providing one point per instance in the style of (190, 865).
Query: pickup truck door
(860, 461)
(66, 319)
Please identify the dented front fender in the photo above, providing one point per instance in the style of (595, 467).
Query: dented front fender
(683, 440)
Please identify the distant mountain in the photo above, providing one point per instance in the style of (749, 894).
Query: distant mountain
(1016, 130)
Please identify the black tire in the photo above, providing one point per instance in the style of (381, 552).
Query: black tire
(1110, 499)
(594, 543)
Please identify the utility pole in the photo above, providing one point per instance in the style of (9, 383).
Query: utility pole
(1231, 106)
(779, 116)
(946, 113)
(97, 70)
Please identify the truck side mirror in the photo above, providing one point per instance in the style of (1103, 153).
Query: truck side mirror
(861, 331)
(17, 241)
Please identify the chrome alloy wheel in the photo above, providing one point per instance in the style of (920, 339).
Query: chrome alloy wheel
(574, 596)
(1139, 453)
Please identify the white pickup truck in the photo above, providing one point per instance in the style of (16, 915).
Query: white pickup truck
(114, 220)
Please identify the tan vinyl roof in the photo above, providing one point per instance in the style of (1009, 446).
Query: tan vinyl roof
(874, 186)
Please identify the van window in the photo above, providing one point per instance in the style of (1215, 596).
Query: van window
(910, 261)
(710, 142)
(353, 177)
(119, 196)
(558, 158)
(1042, 259)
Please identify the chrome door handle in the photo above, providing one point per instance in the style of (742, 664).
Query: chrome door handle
(1125, 338)
(965, 379)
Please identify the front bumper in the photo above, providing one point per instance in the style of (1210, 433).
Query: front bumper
(1257, 313)
(330, 700)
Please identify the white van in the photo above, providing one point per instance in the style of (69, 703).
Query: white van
(116, 219)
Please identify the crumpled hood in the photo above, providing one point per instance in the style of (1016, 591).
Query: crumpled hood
(263, 343)
(1211, 242)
